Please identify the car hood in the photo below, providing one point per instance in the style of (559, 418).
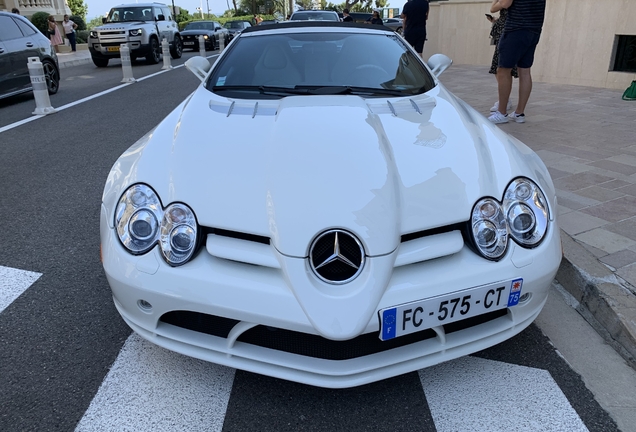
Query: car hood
(292, 168)
(120, 25)
(196, 32)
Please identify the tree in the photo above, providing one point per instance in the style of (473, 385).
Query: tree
(183, 15)
(41, 21)
(81, 24)
(78, 8)
(95, 22)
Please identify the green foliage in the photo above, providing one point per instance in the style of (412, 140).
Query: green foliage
(81, 36)
(95, 22)
(78, 8)
(40, 20)
(183, 15)
(81, 24)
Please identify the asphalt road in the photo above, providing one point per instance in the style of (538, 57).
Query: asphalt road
(68, 361)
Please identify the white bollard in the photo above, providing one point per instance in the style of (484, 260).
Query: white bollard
(165, 47)
(201, 46)
(126, 65)
(40, 90)
(221, 42)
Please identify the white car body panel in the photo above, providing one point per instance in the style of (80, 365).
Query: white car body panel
(292, 168)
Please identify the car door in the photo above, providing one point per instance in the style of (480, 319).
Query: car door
(17, 49)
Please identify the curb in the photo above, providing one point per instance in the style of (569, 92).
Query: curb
(605, 304)
(75, 62)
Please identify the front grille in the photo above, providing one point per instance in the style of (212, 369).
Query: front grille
(312, 345)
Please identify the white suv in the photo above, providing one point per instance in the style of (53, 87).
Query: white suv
(142, 26)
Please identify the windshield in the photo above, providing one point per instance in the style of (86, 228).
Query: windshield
(132, 13)
(234, 25)
(200, 26)
(278, 65)
(314, 16)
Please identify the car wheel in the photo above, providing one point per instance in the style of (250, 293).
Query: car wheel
(100, 62)
(177, 48)
(399, 31)
(52, 76)
(154, 55)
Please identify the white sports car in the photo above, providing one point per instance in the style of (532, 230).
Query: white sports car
(321, 209)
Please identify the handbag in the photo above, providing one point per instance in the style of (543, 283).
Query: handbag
(52, 31)
(630, 93)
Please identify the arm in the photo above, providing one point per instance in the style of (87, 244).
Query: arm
(498, 5)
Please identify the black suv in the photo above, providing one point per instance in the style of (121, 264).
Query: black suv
(19, 40)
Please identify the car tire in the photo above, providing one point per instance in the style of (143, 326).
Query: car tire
(154, 55)
(52, 76)
(177, 48)
(100, 62)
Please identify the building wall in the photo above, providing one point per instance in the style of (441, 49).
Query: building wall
(576, 45)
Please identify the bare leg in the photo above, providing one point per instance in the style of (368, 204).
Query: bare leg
(525, 87)
(504, 85)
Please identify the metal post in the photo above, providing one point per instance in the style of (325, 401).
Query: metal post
(40, 90)
(201, 46)
(165, 48)
(126, 65)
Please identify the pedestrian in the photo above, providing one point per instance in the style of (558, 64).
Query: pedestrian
(516, 47)
(15, 11)
(54, 34)
(415, 15)
(69, 30)
(495, 35)
(345, 16)
(375, 18)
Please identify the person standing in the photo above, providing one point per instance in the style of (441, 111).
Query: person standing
(375, 18)
(495, 33)
(69, 30)
(516, 47)
(345, 16)
(15, 11)
(415, 14)
(54, 34)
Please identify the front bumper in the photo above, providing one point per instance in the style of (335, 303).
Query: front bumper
(247, 297)
(107, 50)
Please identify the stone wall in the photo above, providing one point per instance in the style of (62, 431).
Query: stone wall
(576, 45)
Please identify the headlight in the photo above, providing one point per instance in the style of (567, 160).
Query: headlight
(526, 211)
(93, 34)
(141, 222)
(135, 32)
(178, 234)
(205, 36)
(489, 229)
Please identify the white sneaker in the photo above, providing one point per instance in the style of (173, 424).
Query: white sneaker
(495, 107)
(498, 118)
(519, 118)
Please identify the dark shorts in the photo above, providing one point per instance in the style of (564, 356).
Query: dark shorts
(416, 38)
(516, 48)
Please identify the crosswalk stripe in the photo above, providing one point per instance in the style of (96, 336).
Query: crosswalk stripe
(14, 282)
(149, 388)
(471, 394)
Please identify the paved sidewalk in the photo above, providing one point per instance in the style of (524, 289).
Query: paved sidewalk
(587, 138)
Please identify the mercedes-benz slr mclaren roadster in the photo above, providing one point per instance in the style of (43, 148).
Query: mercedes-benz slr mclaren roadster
(322, 209)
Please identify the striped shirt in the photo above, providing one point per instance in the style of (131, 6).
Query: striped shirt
(526, 14)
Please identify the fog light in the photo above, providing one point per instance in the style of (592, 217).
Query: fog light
(525, 297)
(144, 306)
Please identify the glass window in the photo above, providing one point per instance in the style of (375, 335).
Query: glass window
(371, 65)
(26, 29)
(167, 13)
(9, 29)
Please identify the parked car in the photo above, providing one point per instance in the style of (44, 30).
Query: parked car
(236, 27)
(315, 15)
(266, 22)
(19, 40)
(394, 24)
(211, 31)
(416, 233)
(140, 25)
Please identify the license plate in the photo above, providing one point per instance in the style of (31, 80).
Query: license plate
(114, 48)
(188, 43)
(424, 314)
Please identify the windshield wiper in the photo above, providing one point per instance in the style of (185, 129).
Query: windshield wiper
(354, 90)
(265, 90)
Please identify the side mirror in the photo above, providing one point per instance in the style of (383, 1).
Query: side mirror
(439, 63)
(217, 28)
(161, 18)
(103, 20)
(199, 66)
